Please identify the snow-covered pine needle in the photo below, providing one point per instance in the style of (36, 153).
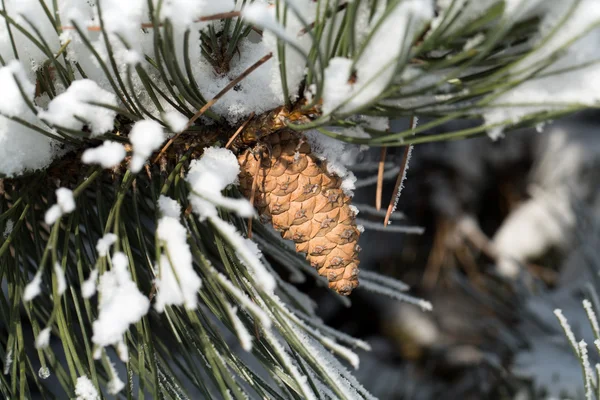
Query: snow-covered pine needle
(568, 331)
(385, 281)
(394, 294)
(413, 230)
(591, 314)
(588, 375)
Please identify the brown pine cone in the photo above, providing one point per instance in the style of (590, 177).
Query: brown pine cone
(306, 204)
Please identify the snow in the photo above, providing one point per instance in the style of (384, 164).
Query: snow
(72, 109)
(263, 16)
(590, 379)
(242, 333)
(124, 18)
(65, 205)
(177, 283)
(43, 338)
(589, 310)
(186, 12)
(563, 81)
(208, 176)
(115, 385)
(104, 243)
(352, 84)
(8, 361)
(85, 389)
(65, 200)
(567, 329)
(12, 103)
(21, 148)
(33, 288)
(146, 136)
(338, 156)
(53, 214)
(557, 184)
(88, 287)
(61, 282)
(169, 207)
(175, 121)
(123, 351)
(117, 290)
(109, 154)
(8, 228)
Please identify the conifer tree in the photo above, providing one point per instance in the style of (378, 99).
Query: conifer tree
(149, 147)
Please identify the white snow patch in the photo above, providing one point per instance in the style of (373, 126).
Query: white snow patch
(61, 281)
(85, 389)
(88, 288)
(146, 136)
(121, 303)
(175, 121)
(338, 156)
(72, 109)
(43, 338)
(564, 81)
(208, 176)
(104, 243)
(109, 154)
(392, 34)
(8, 228)
(33, 288)
(65, 200)
(169, 207)
(65, 204)
(177, 283)
(12, 103)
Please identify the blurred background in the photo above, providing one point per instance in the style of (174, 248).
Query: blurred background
(511, 232)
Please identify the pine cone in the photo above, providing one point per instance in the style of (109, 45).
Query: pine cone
(306, 204)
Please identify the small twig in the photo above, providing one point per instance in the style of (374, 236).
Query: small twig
(253, 191)
(399, 180)
(211, 102)
(380, 172)
(401, 175)
(239, 130)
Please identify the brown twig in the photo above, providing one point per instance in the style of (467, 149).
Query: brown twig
(239, 130)
(403, 166)
(380, 172)
(211, 102)
(401, 175)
